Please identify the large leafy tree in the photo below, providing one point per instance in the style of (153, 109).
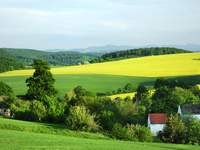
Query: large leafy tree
(41, 84)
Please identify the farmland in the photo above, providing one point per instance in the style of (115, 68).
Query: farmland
(26, 139)
(110, 76)
(151, 66)
(64, 83)
(123, 95)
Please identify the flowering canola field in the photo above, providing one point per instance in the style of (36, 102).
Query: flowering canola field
(151, 66)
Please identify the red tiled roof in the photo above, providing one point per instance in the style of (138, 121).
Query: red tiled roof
(158, 118)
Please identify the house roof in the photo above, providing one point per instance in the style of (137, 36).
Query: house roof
(158, 118)
(191, 109)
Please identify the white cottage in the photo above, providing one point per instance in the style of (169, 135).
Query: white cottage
(192, 110)
(156, 122)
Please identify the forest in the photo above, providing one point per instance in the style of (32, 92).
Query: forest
(140, 52)
(9, 62)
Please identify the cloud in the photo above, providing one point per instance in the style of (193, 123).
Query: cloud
(81, 23)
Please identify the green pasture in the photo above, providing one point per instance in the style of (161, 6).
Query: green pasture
(22, 135)
(92, 82)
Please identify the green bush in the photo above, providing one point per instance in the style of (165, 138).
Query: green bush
(132, 132)
(193, 131)
(121, 133)
(38, 110)
(174, 131)
(141, 133)
(55, 109)
(80, 119)
(21, 110)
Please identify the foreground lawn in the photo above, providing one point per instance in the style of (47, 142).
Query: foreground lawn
(22, 135)
(15, 140)
(151, 66)
(34, 127)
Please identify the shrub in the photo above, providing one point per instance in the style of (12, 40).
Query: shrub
(141, 133)
(121, 132)
(55, 109)
(38, 110)
(21, 110)
(132, 132)
(174, 131)
(80, 119)
(193, 131)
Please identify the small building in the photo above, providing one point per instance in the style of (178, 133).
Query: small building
(192, 110)
(156, 122)
(5, 112)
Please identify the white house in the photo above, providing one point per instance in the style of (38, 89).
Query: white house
(192, 110)
(156, 122)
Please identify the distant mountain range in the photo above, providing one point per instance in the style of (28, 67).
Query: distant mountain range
(112, 48)
(95, 49)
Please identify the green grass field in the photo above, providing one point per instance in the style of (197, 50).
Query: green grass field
(19, 135)
(93, 83)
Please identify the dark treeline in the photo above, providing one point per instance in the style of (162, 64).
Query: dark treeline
(27, 56)
(138, 53)
(8, 62)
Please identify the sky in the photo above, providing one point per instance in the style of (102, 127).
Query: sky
(65, 24)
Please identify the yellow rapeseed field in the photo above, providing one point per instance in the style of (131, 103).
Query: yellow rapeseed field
(151, 66)
(123, 95)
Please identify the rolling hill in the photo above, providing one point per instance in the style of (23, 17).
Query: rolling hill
(109, 76)
(8, 62)
(28, 135)
(53, 58)
(150, 66)
(139, 52)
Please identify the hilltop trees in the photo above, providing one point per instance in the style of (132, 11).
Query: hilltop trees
(42, 81)
(8, 62)
(132, 53)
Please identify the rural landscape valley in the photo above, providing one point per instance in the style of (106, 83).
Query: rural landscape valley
(99, 75)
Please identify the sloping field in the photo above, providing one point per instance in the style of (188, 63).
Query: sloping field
(151, 66)
(12, 137)
(93, 83)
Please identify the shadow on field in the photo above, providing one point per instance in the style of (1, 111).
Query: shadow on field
(191, 80)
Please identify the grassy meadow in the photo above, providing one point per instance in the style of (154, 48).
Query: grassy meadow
(93, 83)
(21, 135)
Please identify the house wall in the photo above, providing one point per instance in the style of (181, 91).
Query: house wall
(155, 128)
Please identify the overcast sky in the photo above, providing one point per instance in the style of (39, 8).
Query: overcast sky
(49, 24)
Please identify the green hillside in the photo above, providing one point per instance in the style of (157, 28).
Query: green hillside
(47, 136)
(8, 62)
(53, 58)
(106, 83)
(132, 53)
